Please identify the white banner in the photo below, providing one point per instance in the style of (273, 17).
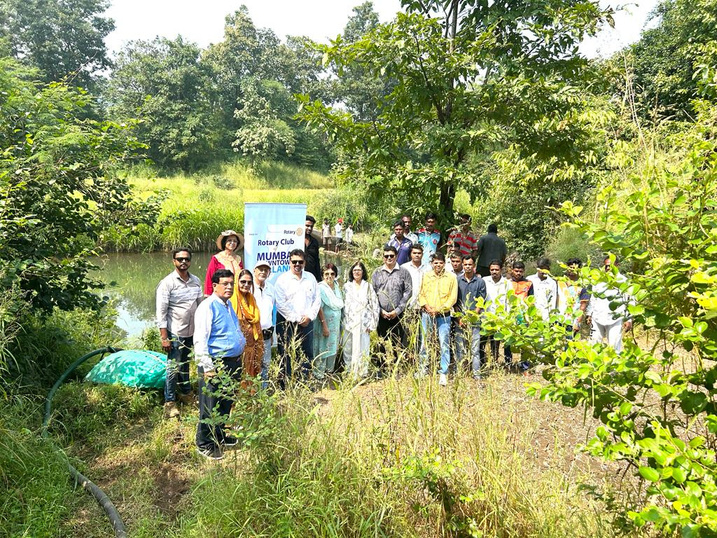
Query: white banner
(271, 231)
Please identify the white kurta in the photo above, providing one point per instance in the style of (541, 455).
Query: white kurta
(360, 318)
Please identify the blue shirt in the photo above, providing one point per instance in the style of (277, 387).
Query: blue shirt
(403, 248)
(216, 332)
(430, 241)
(469, 291)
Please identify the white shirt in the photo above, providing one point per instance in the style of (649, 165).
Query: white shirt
(265, 301)
(416, 279)
(325, 231)
(496, 293)
(546, 294)
(297, 297)
(349, 235)
(338, 229)
(599, 307)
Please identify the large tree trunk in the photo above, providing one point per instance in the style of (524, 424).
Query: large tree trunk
(448, 195)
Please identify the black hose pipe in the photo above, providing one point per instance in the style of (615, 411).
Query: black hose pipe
(79, 478)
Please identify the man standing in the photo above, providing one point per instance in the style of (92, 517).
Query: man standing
(497, 288)
(311, 249)
(572, 298)
(349, 235)
(490, 247)
(545, 289)
(264, 295)
(456, 265)
(218, 344)
(604, 321)
(177, 297)
(523, 288)
(297, 303)
(338, 232)
(463, 239)
(429, 237)
(393, 286)
(439, 291)
(401, 243)
(406, 221)
(326, 233)
(470, 288)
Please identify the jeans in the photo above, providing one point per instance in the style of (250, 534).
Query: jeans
(215, 398)
(293, 339)
(441, 324)
(469, 333)
(178, 367)
(265, 363)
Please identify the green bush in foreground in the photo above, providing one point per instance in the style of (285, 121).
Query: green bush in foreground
(34, 483)
(656, 400)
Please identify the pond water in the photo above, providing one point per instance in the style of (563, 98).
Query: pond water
(131, 279)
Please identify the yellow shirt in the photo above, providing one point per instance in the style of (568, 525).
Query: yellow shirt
(440, 292)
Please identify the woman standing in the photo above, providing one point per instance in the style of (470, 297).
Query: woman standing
(360, 318)
(229, 243)
(327, 326)
(250, 325)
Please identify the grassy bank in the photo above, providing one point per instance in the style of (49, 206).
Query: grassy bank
(399, 457)
(195, 208)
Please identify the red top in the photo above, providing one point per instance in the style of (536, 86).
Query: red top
(213, 267)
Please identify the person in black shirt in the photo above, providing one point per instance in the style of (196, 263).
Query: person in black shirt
(311, 249)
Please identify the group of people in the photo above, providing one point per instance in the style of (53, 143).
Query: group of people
(339, 236)
(230, 321)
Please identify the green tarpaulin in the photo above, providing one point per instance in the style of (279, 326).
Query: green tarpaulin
(131, 367)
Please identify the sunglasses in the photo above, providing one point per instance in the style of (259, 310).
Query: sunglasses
(331, 273)
(182, 260)
(389, 256)
(297, 262)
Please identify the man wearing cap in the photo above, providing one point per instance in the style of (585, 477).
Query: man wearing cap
(297, 303)
(311, 249)
(264, 295)
(178, 295)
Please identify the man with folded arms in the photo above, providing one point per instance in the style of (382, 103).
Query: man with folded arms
(218, 345)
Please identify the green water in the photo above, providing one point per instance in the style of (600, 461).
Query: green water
(131, 279)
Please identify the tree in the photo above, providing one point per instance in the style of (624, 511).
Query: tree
(664, 66)
(64, 39)
(163, 84)
(469, 77)
(58, 188)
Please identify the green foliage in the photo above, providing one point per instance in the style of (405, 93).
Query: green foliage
(59, 190)
(163, 83)
(64, 39)
(655, 400)
(673, 63)
(468, 78)
(84, 413)
(34, 485)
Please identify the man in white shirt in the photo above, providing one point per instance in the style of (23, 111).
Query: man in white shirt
(604, 321)
(264, 295)
(412, 315)
(496, 287)
(297, 303)
(178, 295)
(545, 289)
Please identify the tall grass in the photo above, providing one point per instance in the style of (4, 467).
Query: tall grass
(401, 458)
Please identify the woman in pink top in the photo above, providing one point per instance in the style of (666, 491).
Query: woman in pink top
(229, 243)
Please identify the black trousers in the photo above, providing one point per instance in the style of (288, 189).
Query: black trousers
(389, 329)
(216, 398)
(293, 339)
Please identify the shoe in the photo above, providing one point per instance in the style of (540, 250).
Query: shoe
(171, 410)
(443, 380)
(210, 452)
(186, 399)
(477, 377)
(230, 441)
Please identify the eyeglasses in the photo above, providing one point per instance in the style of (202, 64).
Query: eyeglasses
(389, 256)
(245, 282)
(329, 273)
(297, 262)
(182, 260)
